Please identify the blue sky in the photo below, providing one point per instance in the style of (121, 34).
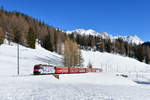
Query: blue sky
(117, 17)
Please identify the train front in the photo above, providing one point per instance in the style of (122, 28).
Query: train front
(43, 69)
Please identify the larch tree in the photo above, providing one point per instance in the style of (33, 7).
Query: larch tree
(72, 54)
(67, 54)
(1, 36)
(59, 42)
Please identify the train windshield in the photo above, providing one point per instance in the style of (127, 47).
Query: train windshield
(37, 67)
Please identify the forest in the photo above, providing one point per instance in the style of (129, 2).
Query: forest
(27, 31)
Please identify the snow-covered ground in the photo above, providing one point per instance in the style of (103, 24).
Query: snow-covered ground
(90, 86)
(118, 64)
(114, 63)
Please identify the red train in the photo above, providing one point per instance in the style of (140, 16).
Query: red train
(50, 69)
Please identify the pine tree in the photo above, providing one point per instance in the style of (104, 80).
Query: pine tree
(31, 38)
(102, 45)
(147, 54)
(78, 39)
(139, 53)
(46, 42)
(126, 48)
(17, 36)
(108, 45)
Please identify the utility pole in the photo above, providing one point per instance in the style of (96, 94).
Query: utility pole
(18, 58)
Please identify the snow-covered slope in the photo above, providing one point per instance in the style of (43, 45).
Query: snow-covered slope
(131, 39)
(28, 58)
(114, 63)
(90, 86)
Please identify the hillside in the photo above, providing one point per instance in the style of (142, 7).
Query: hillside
(93, 86)
(114, 62)
(29, 57)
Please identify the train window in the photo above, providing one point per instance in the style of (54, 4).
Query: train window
(37, 67)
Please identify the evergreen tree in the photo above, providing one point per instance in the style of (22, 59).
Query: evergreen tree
(147, 54)
(139, 53)
(46, 43)
(147, 60)
(17, 36)
(85, 42)
(78, 39)
(108, 45)
(102, 45)
(31, 38)
(97, 43)
(126, 48)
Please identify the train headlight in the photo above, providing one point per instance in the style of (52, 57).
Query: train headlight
(39, 70)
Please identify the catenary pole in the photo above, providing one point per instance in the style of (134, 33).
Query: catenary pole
(18, 59)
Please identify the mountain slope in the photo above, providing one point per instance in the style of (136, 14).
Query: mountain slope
(90, 86)
(28, 58)
(131, 39)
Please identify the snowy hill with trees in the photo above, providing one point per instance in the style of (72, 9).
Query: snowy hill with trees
(130, 46)
(108, 62)
(23, 29)
(93, 86)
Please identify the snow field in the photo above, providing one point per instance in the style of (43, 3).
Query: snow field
(70, 87)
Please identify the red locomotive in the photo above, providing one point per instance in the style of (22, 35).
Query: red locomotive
(50, 69)
(43, 69)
